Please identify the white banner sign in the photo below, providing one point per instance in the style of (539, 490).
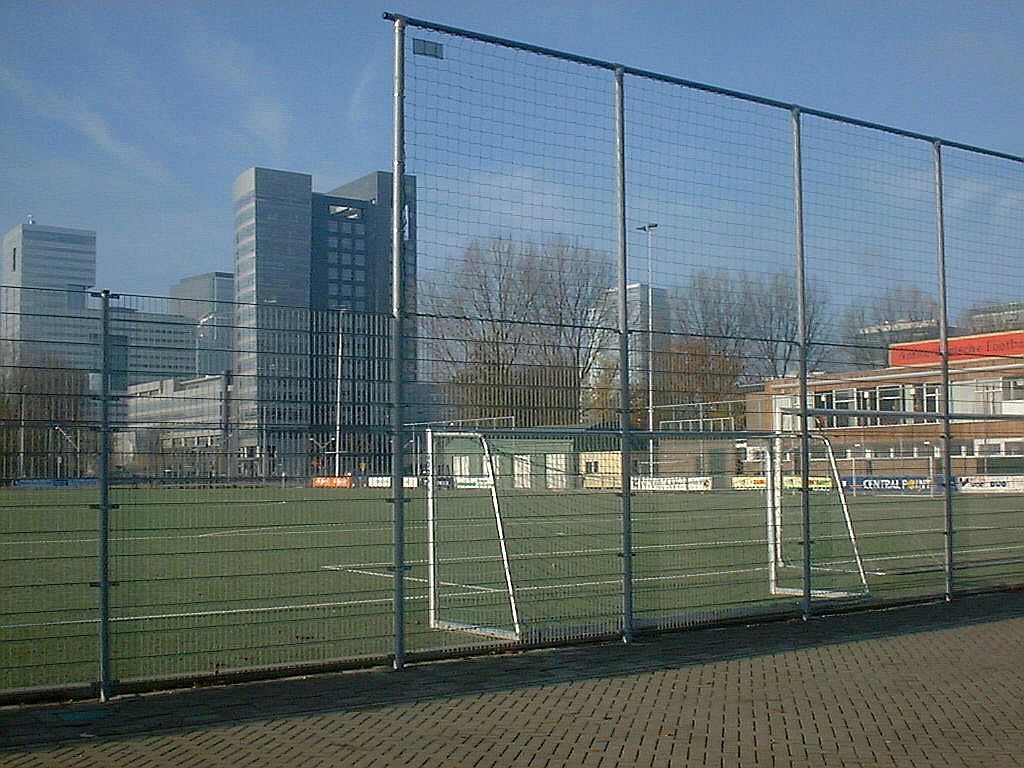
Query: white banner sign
(385, 482)
(671, 483)
(991, 484)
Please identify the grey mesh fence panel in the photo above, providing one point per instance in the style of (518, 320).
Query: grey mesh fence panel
(712, 308)
(514, 160)
(984, 198)
(233, 549)
(872, 281)
(50, 462)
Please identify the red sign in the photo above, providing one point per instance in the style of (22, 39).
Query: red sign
(1009, 344)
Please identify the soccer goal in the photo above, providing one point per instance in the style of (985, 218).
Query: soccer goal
(469, 580)
(836, 568)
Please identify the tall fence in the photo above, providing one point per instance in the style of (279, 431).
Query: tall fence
(669, 355)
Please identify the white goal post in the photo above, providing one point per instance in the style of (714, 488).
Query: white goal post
(844, 568)
(462, 593)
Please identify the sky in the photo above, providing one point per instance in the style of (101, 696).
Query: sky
(134, 119)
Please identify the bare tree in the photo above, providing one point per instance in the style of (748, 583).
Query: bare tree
(904, 313)
(751, 319)
(772, 327)
(509, 333)
(45, 418)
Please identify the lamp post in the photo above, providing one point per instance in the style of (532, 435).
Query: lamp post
(649, 229)
(201, 329)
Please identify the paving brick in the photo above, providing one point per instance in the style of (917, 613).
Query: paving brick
(931, 685)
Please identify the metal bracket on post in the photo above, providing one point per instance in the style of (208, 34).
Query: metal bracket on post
(397, 343)
(625, 447)
(801, 323)
(947, 422)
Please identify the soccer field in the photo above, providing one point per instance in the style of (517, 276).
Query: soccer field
(208, 580)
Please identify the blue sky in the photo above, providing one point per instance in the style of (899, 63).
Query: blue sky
(134, 119)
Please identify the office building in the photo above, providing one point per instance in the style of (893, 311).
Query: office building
(993, 318)
(300, 256)
(208, 301)
(601, 378)
(46, 273)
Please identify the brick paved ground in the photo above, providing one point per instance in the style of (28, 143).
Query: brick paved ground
(925, 686)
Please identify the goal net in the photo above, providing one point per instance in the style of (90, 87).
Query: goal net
(836, 567)
(469, 580)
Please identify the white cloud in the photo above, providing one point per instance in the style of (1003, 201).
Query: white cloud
(230, 66)
(87, 122)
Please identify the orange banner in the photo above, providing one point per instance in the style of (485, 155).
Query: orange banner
(332, 482)
(1009, 344)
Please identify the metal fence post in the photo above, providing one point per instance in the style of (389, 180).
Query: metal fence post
(104, 506)
(801, 325)
(947, 425)
(397, 342)
(624, 402)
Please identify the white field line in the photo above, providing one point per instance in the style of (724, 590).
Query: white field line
(387, 575)
(222, 612)
(566, 585)
(388, 600)
(567, 526)
(273, 530)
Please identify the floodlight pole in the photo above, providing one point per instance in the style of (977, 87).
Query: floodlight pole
(649, 229)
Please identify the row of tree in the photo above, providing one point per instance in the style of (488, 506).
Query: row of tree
(47, 418)
(513, 332)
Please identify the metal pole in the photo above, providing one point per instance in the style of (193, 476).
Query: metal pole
(801, 323)
(649, 229)
(397, 309)
(947, 424)
(626, 470)
(104, 505)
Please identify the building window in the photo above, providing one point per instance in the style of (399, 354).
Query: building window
(345, 211)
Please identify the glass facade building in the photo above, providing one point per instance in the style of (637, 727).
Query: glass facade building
(301, 257)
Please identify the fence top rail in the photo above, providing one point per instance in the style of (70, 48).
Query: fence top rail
(693, 84)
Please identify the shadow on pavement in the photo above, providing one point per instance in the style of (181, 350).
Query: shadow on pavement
(22, 727)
